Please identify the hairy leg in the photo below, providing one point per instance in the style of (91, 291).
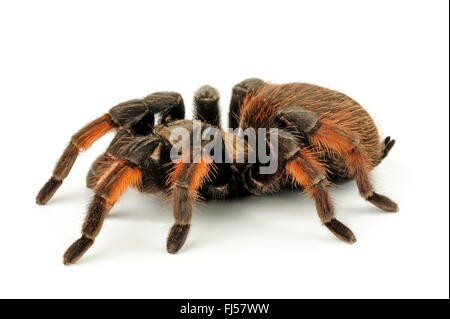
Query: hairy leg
(388, 144)
(186, 179)
(330, 137)
(170, 105)
(206, 105)
(306, 171)
(100, 165)
(238, 95)
(135, 113)
(327, 135)
(81, 141)
(107, 192)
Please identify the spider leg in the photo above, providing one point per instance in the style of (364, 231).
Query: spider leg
(169, 106)
(186, 179)
(388, 144)
(206, 105)
(238, 95)
(107, 192)
(98, 167)
(328, 136)
(306, 171)
(81, 141)
(135, 115)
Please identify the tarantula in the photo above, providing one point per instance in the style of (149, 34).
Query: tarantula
(324, 137)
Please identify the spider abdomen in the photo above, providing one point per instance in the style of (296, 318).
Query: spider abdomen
(261, 108)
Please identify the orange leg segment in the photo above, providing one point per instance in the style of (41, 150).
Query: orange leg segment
(306, 171)
(107, 192)
(186, 180)
(335, 140)
(81, 141)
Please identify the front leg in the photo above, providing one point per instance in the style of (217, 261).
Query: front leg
(186, 179)
(138, 114)
(80, 141)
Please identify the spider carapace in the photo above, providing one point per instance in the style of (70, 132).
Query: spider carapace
(324, 137)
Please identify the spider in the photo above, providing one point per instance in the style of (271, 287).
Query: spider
(324, 137)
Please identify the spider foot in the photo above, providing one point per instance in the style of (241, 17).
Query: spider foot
(177, 237)
(383, 203)
(47, 191)
(341, 231)
(388, 144)
(76, 250)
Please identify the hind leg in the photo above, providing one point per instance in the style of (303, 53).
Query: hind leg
(387, 145)
(327, 135)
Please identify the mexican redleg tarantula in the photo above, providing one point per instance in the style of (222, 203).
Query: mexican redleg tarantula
(323, 137)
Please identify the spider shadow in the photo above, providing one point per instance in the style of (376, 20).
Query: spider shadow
(348, 201)
(251, 216)
(141, 207)
(76, 195)
(136, 223)
(212, 222)
(215, 221)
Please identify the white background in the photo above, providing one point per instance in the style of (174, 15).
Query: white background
(63, 64)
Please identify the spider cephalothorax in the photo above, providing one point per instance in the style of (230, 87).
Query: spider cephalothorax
(320, 136)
